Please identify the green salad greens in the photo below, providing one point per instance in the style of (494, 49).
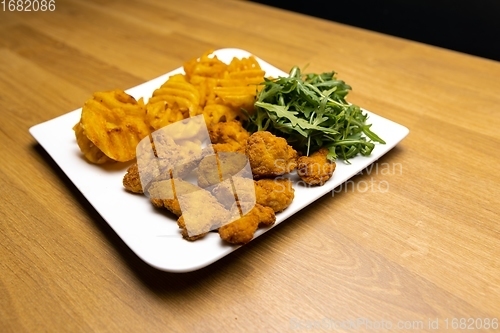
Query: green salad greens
(310, 111)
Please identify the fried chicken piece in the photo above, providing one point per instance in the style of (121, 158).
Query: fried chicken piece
(275, 193)
(266, 215)
(201, 212)
(215, 168)
(228, 136)
(241, 189)
(315, 169)
(242, 230)
(269, 155)
(208, 172)
(165, 193)
(150, 167)
(179, 157)
(131, 180)
(182, 225)
(161, 159)
(198, 211)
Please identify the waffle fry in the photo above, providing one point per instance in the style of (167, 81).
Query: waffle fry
(175, 100)
(225, 89)
(115, 123)
(90, 151)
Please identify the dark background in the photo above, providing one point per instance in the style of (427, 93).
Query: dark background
(471, 27)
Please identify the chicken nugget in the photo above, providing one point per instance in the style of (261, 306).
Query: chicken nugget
(315, 169)
(165, 193)
(132, 180)
(215, 168)
(228, 136)
(275, 193)
(240, 189)
(270, 155)
(182, 225)
(266, 215)
(201, 213)
(160, 157)
(199, 209)
(242, 230)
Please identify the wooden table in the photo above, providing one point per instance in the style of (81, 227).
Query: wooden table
(424, 254)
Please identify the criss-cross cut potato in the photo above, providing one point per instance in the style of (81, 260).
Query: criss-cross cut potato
(161, 114)
(208, 66)
(89, 150)
(175, 100)
(115, 123)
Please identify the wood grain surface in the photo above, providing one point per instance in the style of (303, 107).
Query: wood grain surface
(422, 251)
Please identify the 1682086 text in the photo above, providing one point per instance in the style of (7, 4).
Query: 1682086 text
(28, 5)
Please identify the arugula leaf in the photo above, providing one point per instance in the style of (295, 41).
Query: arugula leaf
(310, 111)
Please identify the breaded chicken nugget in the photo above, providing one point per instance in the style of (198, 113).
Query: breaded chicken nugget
(242, 230)
(198, 210)
(161, 158)
(165, 193)
(228, 136)
(275, 193)
(201, 212)
(182, 225)
(265, 214)
(131, 180)
(315, 169)
(269, 155)
(236, 189)
(215, 168)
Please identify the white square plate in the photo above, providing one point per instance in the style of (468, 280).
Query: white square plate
(153, 236)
